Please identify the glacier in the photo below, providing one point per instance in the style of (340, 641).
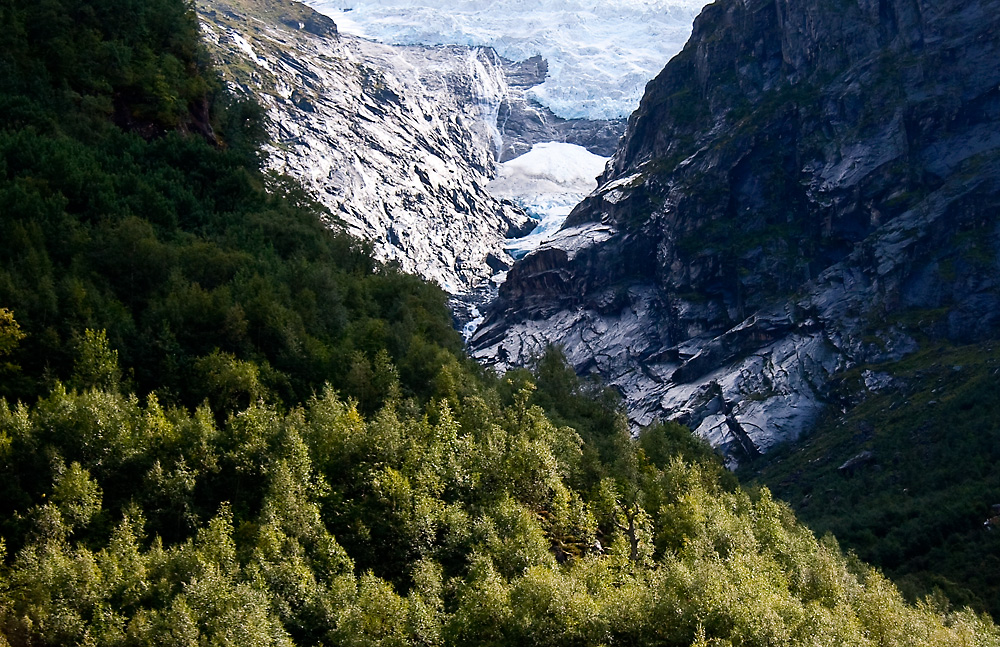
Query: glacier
(547, 182)
(600, 54)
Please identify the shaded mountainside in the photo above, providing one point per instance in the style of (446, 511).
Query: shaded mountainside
(907, 479)
(806, 187)
(133, 203)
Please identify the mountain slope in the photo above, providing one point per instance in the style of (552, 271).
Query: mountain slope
(456, 515)
(398, 142)
(907, 478)
(796, 183)
(133, 203)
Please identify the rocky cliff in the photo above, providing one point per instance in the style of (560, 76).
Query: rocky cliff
(398, 142)
(807, 186)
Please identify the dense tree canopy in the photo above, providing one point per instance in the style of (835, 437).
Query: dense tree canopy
(456, 522)
(133, 203)
(223, 423)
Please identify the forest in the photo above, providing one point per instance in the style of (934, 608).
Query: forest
(223, 422)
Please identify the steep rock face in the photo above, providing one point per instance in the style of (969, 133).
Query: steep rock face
(399, 142)
(806, 186)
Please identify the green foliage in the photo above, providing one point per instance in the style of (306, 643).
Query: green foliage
(264, 437)
(96, 364)
(134, 206)
(10, 332)
(410, 526)
(229, 383)
(75, 495)
(917, 507)
(10, 337)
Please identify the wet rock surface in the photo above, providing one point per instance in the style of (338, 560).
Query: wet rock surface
(796, 183)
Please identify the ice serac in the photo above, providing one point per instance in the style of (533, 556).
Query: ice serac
(548, 181)
(523, 122)
(398, 142)
(806, 187)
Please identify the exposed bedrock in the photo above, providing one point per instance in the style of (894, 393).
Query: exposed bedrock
(805, 187)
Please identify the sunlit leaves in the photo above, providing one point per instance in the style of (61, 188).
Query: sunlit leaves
(10, 332)
(319, 525)
(96, 364)
(76, 495)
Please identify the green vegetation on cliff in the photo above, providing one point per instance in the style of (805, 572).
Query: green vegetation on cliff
(909, 476)
(223, 423)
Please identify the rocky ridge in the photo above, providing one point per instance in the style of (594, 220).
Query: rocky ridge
(804, 188)
(398, 142)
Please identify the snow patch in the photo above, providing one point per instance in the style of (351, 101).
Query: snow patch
(551, 167)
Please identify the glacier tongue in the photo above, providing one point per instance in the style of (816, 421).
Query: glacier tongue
(601, 54)
(398, 142)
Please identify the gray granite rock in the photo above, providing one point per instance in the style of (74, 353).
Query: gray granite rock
(795, 182)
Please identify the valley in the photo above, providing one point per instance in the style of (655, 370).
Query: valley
(696, 277)
(402, 323)
(772, 215)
